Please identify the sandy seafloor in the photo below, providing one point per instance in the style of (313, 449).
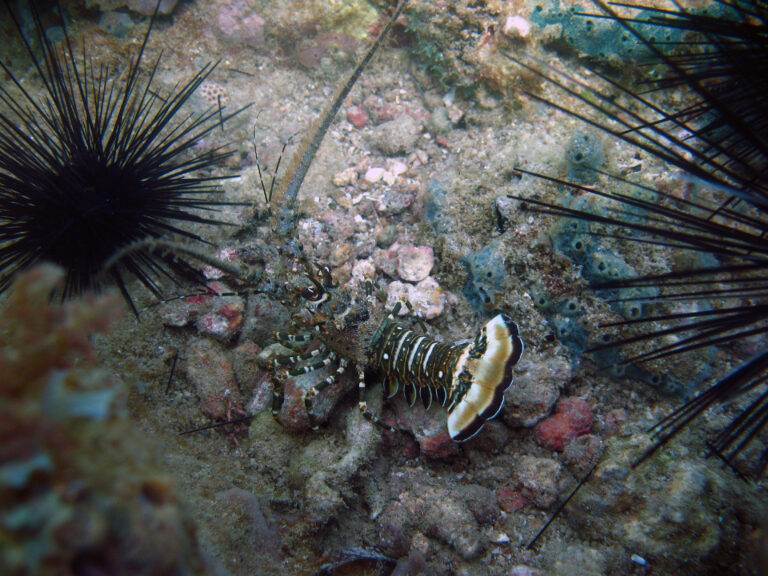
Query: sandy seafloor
(276, 498)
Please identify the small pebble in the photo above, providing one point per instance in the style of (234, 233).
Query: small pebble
(357, 116)
(345, 178)
(374, 174)
(517, 27)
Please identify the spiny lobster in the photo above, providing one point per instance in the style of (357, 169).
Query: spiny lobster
(467, 377)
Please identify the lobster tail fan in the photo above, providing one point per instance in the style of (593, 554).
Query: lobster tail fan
(482, 375)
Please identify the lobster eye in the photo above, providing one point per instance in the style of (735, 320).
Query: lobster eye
(311, 293)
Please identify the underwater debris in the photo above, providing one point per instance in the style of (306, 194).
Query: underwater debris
(97, 163)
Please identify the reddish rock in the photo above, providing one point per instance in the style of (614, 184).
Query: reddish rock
(198, 299)
(438, 446)
(410, 447)
(224, 321)
(510, 499)
(357, 116)
(293, 413)
(579, 412)
(572, 418)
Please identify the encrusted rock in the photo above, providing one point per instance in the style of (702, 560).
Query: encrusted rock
(386, 260)
(224, 320)
(239, 23)
(428, 427)
(398, 136)
(362, 270)
(395, 200)
(414, 263)
(245, 360)
(481, 501)
(670, 510)
(582, 560)
(427, 298)
(211, 374)
(583, 452)
(263, 318)
(535, 389)
(293, 414)
(510, 498)
(436, 512)
(537, 479)
(613, 422)
(182, 311)
(340, 253)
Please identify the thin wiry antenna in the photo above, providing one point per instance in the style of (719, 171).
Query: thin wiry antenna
(216, 425)
(288, 193)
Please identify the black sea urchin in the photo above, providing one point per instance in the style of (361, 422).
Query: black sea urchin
(97, 162)
(720, 141)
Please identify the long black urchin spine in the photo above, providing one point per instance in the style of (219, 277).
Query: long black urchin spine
(719, 141)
